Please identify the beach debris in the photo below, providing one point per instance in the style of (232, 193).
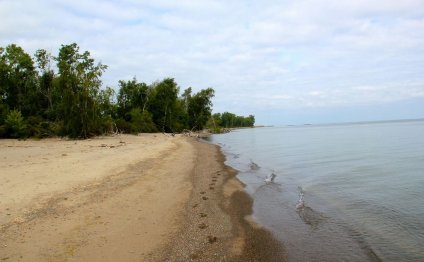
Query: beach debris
(270, 178)
(253, 165)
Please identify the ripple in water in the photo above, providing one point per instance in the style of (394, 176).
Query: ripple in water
(343, 192)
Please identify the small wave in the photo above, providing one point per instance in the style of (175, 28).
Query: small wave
(300, 203)
(270, 179)
(308, 215)
(253, 165)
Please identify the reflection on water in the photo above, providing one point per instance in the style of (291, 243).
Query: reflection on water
(341, 192)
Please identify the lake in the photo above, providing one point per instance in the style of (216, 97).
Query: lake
(342, 192)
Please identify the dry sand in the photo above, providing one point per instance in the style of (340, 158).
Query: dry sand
(125, 198)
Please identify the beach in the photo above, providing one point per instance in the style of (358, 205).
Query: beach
(150, 197)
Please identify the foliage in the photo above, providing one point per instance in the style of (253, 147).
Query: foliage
(48, 95)
(131, 95)
(79, 82)
(200, 108)
(229, 120)
(162, 104)
(15, 124)
(141, 122)
(17, 79)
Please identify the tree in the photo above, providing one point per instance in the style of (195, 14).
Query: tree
(141, 122)
(131, 95)
(38, 99)
(17, 79)
(230, 120)
(15, 124)
(163, 101)
(79, 83)
(45, 82)
(200, 108)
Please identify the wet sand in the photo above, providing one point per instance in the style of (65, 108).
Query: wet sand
(125, 198)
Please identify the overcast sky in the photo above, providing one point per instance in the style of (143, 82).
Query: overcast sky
(286, 62)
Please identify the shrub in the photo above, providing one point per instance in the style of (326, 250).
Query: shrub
(15, 124)
(123, 126)
(141, 122)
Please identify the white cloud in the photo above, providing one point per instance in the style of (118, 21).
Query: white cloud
(278, 54)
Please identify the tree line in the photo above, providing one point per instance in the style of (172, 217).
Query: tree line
(62, 95)
(227, 120)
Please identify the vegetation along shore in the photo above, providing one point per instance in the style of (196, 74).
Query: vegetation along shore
(139, 197)
(46, 95)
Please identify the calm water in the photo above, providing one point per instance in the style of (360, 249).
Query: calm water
(362, 187)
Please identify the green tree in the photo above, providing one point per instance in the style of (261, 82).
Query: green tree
(162, 104)
(230, 120)
(132, 94)
(15, 124)
(79, 84)
(200, 108)
(46, 79)
(141, 122)
(17, 79)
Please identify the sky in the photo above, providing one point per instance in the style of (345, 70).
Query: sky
(286, 62)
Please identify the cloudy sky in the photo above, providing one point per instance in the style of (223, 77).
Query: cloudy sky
(286, 62)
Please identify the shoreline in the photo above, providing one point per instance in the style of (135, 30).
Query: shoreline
(219, 228)
(145, 198)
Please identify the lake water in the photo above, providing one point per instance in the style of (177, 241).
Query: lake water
(346, 192)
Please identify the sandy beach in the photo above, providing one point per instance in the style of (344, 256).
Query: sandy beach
(149, 197)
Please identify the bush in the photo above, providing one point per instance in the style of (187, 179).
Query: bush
(38, 127)
(15, 124)
(123, 126)
(141, 122)
(107, 126)
(3, 131)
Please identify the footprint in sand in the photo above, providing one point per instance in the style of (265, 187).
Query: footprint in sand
(205, 198)
(195, 205)
(194, 256)
(203, 215)
(203, 226)
(203, 192)
(212, 239)
(213, 180)
(211, 188)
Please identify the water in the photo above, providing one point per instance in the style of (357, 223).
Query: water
(351, 192)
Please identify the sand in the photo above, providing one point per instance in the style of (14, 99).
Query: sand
(149, 197)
